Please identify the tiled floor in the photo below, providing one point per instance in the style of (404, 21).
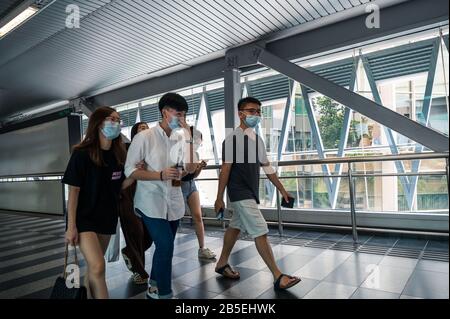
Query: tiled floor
(387, 267)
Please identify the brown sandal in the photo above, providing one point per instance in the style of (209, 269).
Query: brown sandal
(277, 284)
(228, 272)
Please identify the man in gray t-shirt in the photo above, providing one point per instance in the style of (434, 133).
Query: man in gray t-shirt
(243, 155)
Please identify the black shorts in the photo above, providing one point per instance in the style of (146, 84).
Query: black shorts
(105, 225)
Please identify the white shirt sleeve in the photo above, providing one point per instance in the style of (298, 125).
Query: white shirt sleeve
(136, 154)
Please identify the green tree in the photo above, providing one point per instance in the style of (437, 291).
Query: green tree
(330, 122)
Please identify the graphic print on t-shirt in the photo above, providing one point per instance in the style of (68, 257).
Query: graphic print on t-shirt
(116, 176)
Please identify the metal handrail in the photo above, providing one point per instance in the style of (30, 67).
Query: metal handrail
(334, 160)
(338, 160)
(357, 159)
(33, 175)
(351, 149)
(351, 175)
(437, 173)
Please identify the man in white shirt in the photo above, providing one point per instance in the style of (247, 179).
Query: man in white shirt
(159, 199)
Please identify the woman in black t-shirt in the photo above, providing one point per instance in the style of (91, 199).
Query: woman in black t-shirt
(95, 175)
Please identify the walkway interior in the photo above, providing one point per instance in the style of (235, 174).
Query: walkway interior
(32, 250)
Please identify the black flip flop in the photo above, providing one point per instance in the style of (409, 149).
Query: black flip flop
(221, 271)
(277, 284)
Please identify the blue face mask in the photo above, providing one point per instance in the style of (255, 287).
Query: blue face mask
(252, 121)
(174, 123)
(111, 130)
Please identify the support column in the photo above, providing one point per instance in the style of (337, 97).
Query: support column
(82, 105)
(232, 97)
(87, 107)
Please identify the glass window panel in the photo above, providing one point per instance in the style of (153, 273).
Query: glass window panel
(271, 125)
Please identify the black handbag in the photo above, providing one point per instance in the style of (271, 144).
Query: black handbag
(60, 289)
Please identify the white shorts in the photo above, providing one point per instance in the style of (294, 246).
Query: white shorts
(248, 218)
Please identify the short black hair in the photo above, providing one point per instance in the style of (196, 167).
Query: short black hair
(175, 101)
(248, 100)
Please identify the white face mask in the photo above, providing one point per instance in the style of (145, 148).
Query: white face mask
(174, 123)
(252, 121)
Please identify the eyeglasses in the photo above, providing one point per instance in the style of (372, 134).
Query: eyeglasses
(114, 119)
(252, 111)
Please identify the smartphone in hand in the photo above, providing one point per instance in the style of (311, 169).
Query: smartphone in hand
(289, 204)
(220, 214)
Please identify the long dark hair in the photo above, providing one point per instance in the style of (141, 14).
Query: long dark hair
(135, 128)
(91, 142)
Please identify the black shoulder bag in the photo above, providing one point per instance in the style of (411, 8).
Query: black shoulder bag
(60, 289)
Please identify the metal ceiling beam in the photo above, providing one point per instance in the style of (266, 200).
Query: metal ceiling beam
(353, 33)
(201, 73)
(393, 120)
(330, 19)
(345, 34)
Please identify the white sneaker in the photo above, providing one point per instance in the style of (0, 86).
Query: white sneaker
(206, 253)
(152, 293)
(152, 296)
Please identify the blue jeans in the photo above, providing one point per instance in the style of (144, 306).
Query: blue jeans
(163, 234)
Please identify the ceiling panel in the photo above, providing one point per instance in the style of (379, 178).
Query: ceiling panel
(7, 5)
(123, 40)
